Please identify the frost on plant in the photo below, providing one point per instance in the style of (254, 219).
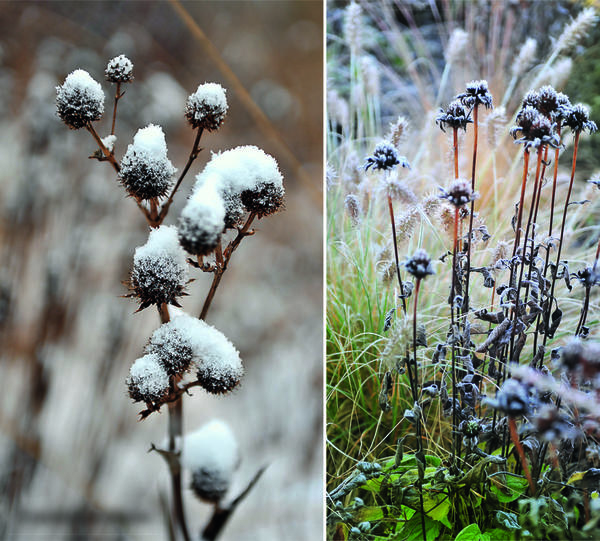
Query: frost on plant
(206, 108)
(79, 100)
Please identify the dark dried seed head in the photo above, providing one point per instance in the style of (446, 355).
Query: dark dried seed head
(79, 100)
(419, 265)
(459, 193)
(206, 108)
(455, 116)
(119, 70)
(477, 93)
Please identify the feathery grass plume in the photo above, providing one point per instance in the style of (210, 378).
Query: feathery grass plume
(160, 270)
(119, 70)
(456, 46)
(337, 109)
(146, 171)
(352, 171)
(353, 209)
(446, 216)
(202, 220)
(431, 206)
(206, 108)
(495, 124)
(560, 72)
(148, 381)
(525, 58)
(370, 75)
(398, 340)
(211, 454)
(384, 263)
(406, 223)
(398, 131)
(79, 100)
(398, 190)
(577, 30)
(353, 27)
(501, 252)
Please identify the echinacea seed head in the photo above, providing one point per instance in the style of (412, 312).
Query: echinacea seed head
(419, 265)
(578, 119)
(548, 100)
(534, 128)
(206, 108)
(563, 108)
(477, 93)
(455, 116)
(79, 100)
(459, 193)
(119, 70)
(385, 157)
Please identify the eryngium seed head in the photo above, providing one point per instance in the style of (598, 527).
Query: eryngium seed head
(455, 116)
(477, 93)
(419, 265)
(119, 70)
(459, 193)
(159, 272)
(148, 381)
(206, 108)
(512, 398)
(263, 199)
(578, 119)
(79, 100)
(385, 157)
(211, 454)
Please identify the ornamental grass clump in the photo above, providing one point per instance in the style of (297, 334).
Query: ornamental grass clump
(472, 396)
(235, 188)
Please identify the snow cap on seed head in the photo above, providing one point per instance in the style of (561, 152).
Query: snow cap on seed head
(160, 270)
(119, 70)
(148, 381)
(79, 100)
(146, 171)
(206, 108)
(211, 454)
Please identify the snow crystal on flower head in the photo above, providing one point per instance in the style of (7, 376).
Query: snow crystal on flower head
(202, 220)
(206, 108)
(159, 269)
(146, 172)
(148, 380)
(211, 454)
(172, 343)
(245, 175)
(119, 70)
(79, 100)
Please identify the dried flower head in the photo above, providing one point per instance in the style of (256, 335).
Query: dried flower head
(159, 272)
(419, 265)
(173, 344)
(548, 100)
(455, 116)
(535, 129)
(587, 277)
(119, 70)
(211, 454)
(477, 93)
(563, 110)
(148, 381)
(512, 398)
(385, 157)
(353, 209)
(578, 119)
(459, 193)
(206, 108)
(79, 100)
(146, 171)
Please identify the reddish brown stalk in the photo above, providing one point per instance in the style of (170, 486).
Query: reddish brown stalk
(395, 243)
(118, 96)
(455, 148)
(515, 439)
(452, 294)
(226, 256)
(597, 255)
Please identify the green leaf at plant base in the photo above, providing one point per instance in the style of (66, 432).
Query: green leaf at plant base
(437, 506)
(472, 533)
(497, 534)
(412, 530)
(507, 488)
(369, 514)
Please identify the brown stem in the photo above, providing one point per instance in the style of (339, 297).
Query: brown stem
(118, 96)
(395, 243)
(521, 200)
(515, 439)
(452, 294)
(243, 232)
(455, 148)
(193, 155)
(470, 237)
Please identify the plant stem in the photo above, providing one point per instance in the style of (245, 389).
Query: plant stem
(452, 295)
(455, 149)
(465, 309)
(395, 242)
(193, 155)
(118, 96)
(515, 439)
(220, 270)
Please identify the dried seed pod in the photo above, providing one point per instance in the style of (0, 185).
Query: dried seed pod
(419, 265)
(79, 100)
(119, 70)
(206, 108)
(148, 381)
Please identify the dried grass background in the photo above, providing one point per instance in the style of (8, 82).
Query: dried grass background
(73, 460)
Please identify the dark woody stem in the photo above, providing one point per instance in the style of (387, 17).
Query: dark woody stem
(395, 243)
(452, 322)
(118, 96)
(455, 150)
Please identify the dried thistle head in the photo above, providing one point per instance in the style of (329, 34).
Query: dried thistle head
(459, 193)
(563, 110)
(477, 93)
(119, 70)
(206, 108)
(79, 100)
(512, 398)
(419, 265)
(578, 119)
(535, 129)
(385, 157)
(148, 381)
(455, 116)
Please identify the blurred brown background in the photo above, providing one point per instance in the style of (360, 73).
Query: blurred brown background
(73, 460)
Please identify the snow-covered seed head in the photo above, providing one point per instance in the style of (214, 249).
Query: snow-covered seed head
(148, 381)
(247, 179)
(419, 265)
(202, 220)
(218, 365)
(512, 398)
(79, 100)
(459, 193)
(146, 172)
(477, 93)
(455, 116)
(206, 108)
(211, 454)
(159, 272)
(578, 119)
(119, 70)
(385, 157)
(173, 343)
